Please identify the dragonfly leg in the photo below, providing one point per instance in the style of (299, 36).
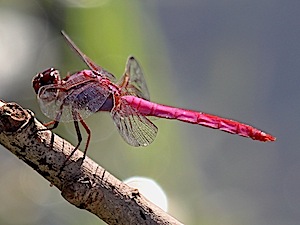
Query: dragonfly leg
(79, 138)
(53, 123)
(88, 131)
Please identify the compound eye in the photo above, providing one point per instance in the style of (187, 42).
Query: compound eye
(49, 76)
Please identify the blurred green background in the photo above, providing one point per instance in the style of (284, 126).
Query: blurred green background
(237, 59)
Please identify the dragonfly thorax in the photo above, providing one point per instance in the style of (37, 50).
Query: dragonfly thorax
(49, 76)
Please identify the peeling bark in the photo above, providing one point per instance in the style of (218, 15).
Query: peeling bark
(84, 184)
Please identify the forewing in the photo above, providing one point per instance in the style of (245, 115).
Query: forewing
(98, 70)
(136, 84)
(135, 128)
(61, 105)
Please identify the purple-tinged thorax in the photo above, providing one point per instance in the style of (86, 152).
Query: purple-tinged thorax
(83, 76)
(84, 81)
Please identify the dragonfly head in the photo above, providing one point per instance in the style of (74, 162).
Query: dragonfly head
(49, 76)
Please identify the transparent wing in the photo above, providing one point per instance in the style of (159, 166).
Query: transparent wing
(60, 104)
(135, 128)
(98, 70)
(133, 81)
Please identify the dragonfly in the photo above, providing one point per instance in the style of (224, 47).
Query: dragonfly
(83, 93)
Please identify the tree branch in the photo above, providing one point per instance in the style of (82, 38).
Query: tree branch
(84, 184)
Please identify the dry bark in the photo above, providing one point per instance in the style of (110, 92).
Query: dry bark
(84, 184)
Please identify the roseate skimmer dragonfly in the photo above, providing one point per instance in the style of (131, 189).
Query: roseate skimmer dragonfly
(83, 93)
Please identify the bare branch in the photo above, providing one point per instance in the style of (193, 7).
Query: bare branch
(84, 184)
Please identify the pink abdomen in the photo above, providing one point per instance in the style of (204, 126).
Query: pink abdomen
(153, 109)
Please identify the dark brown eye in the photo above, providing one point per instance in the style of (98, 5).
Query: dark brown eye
(49, 76)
